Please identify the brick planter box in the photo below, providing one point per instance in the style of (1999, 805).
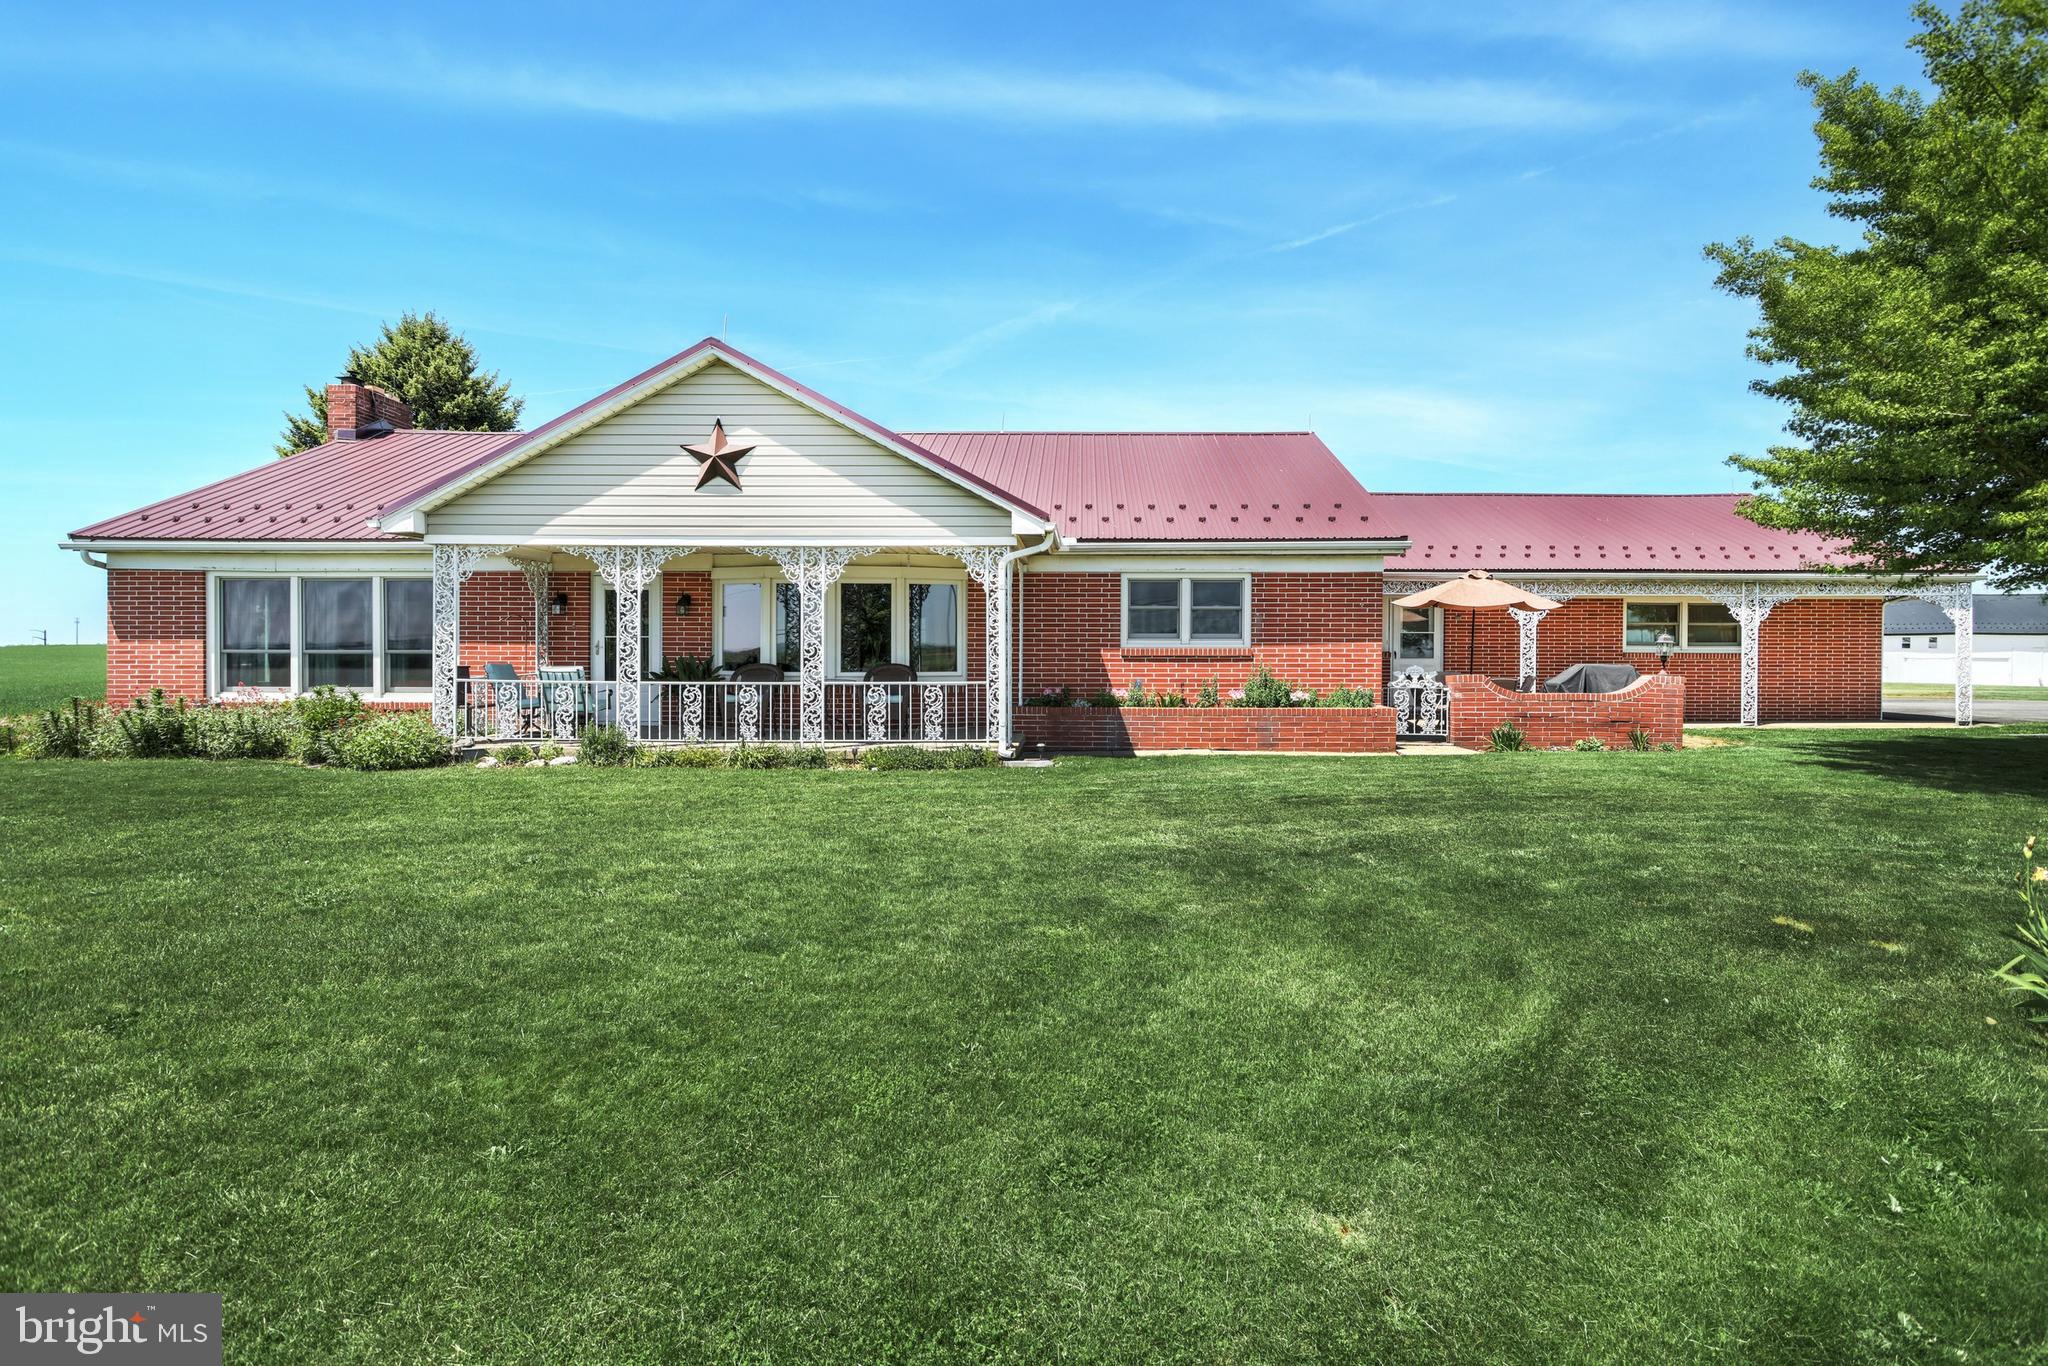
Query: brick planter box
(1132, 730)
(1654, 702)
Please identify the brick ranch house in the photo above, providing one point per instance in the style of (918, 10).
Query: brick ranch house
(853, 584)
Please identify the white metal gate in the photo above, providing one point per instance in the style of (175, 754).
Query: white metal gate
(1421, 702)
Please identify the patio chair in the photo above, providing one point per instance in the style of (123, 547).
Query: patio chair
(891, 674)
(551, 674)
(526, 697)
(754, 673)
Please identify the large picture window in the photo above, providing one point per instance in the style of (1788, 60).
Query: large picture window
(337, 633)
(864, 625)
(1691, 625)
(1187, 611)
(292, 633)
(935, 628)
(255, 633)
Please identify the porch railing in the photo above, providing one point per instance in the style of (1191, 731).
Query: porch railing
(726, 713)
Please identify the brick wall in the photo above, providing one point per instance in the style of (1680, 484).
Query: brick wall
(1819, 658)
(1318, 630)
(156, 633)
(1128, 730)
(1655, 703)
(497, 622)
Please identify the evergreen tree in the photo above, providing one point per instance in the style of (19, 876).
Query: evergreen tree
(429, 365)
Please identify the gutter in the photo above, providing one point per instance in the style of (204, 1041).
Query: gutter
(86, 555)
(1005, 746)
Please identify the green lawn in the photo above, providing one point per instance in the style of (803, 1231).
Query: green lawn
(33, 676)
(1508, 1056)
(1997, 693)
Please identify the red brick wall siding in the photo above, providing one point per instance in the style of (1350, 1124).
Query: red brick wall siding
(1819, 658)
(686, 635)
(1317, 630)
(156, 633)
(1126, 730)
(569, 633)
(1655, 703)
(497, 622)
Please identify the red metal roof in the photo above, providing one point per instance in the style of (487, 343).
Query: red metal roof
(1591, 532)
(1169, 486)
(325, 494)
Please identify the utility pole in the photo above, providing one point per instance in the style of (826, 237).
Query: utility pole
(74, 630)
(45, 638)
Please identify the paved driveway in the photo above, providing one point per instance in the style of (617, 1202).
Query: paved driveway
(1941, 709)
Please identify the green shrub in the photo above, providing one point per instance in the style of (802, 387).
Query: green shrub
(1345, 697)
(1668, 747)
(548, 751)
(395, 739)
(1207, 696)
(322, 715)
(604, 747)
(1264, 690)
(10, 736)
(240, 732)
(66, 732)
(686, 669)
(1062, 696)
(1138, 697)
(890, 757)
(515, 754)
(1588, 745)
(1103, 697)
(1640, 741)
(148, 728)
(2027, 972)
(1508, 738)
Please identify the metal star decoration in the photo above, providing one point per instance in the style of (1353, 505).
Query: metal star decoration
(720, 459)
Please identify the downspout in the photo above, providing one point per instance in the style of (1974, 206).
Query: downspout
(86, 555)
(1004, 745)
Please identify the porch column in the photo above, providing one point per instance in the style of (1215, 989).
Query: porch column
(1959, 604)
(1527, 620)
(813, 569)
(1749, 604)
(985, 567)
(627, 570)
(536, 574)
(452, 565)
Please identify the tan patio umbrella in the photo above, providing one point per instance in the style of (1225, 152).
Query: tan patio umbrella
(1477, 591)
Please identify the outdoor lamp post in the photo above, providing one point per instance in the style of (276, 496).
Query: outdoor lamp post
(1665, 640)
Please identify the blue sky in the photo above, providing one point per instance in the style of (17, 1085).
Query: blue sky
(1461, 242)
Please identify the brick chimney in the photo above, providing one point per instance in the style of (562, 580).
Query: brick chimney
(360, 411)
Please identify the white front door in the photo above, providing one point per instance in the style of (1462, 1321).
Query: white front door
(1415, 636)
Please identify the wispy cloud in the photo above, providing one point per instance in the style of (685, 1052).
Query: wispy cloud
(1339, 229)
(1620, 30)
(657, 92)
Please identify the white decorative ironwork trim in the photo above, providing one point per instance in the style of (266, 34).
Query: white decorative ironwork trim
(627, 570)
(934, 704)
(537, 575)
(877, 699)
(813, 569)
(452, 565)
(1421, 702)
(1750, 600)
(985, 567)
(750, 714)
(1526, 621)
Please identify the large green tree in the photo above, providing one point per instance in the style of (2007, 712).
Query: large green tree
(429, 365)
(1916, 362)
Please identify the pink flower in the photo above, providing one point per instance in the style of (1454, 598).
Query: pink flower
(1119, 693)
(1298, 695)
(1237, 694)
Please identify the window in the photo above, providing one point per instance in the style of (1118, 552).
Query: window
(1187, 611)
(864, 625)
(337, 633)
(292, 633)
(1905, 642)
(1415, 633)
(408, 634)
(935, 627)
(1932, 642)
(1691, 626)
(789, 640)
(255, 633)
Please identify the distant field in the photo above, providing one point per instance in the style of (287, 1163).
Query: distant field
(1993, 694)
(33, 676)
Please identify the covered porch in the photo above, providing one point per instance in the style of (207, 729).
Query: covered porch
(726, 645)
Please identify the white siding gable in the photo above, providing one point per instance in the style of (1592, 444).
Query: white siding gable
(809, 478)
